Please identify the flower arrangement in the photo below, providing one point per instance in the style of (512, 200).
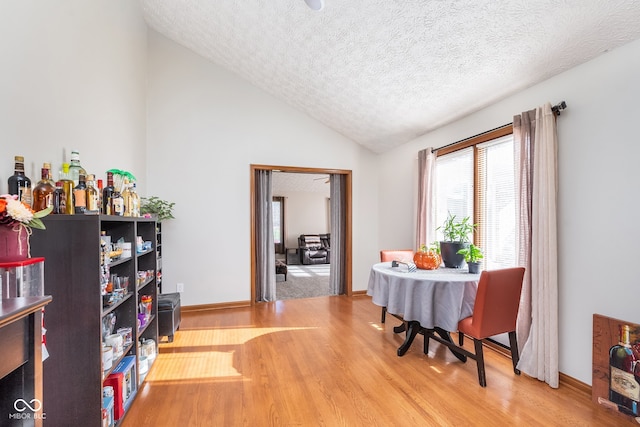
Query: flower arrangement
(15, 213)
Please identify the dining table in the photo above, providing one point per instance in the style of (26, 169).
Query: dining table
(423, 299)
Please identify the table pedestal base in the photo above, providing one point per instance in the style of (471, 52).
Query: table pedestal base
(413, 328)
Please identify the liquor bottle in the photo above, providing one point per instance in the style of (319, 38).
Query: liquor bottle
(93, 201)
(59, 199)
(67, 187)
(75, 169)
(106, 195)
(43, 192)
(80, 195)
(117, 203)
(126, 197)
(624, 390)
(135, 200)
(19, 183)
(99, 187)
(47, 166)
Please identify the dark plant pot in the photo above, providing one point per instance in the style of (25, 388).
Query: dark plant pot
(474, 267)
(450, 255)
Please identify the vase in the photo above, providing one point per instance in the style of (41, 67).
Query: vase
(14, 243)
(450, 255)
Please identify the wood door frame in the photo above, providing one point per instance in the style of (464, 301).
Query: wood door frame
(348, 267)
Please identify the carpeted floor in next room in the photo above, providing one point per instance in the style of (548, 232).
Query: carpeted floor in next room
(304, 281)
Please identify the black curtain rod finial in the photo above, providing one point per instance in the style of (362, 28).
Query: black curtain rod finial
(559, 107)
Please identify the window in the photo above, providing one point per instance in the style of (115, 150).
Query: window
(477, 179)
(277, 205)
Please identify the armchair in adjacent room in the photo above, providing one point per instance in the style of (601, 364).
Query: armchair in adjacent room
(312, 250)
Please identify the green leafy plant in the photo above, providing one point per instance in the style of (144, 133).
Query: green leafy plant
(472, 253)
(156, 206)
(457, 231)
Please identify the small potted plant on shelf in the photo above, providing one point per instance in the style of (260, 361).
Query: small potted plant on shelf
(472, 255)
(456, 237)
(156, 206)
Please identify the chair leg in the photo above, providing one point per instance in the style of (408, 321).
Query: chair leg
(460, 339)
(482, 379)
(515, 356)
(384, 314)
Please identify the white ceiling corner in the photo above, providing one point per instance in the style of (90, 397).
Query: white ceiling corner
(382, 72)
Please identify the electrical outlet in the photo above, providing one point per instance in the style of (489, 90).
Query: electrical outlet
(180, 287)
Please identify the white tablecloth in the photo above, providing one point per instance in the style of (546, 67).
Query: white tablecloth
(439, 297)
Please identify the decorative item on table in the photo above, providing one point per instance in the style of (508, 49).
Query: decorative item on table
(472, 255)
(22, 278)
(17, 220)
(456, 237)
(428, 258)
(410, 266)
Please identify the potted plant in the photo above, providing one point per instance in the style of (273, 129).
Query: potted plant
(456, 237)
(472, 255)
(156, 206)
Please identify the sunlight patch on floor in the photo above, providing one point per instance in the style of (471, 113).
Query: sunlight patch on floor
(321, 270)
(198, 361)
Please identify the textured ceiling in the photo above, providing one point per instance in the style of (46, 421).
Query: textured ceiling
(286, 182)
(382, 72)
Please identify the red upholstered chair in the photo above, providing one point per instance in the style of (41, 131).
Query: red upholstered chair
(495, 312)
(394, 255)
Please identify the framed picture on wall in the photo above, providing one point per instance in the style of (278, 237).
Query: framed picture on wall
(616, 365)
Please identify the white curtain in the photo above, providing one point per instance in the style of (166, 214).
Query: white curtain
(265, 246)
(338, 218)
(535, 135)
(425, 232)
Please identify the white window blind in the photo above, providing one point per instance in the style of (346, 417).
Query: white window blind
(496, 200)
(454, 186)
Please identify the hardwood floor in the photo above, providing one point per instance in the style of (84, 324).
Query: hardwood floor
(329, 362)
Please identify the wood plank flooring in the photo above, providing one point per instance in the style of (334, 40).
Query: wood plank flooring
(328, 361)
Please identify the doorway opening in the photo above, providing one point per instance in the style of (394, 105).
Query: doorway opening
(342, 253)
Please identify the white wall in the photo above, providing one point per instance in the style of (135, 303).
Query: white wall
(598, 191)
(205, 128)
(73, 76)
(305, 213)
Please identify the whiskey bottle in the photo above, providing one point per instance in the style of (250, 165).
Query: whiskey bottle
(80, 195)
(67, 187)
(93, 201)
(43, 192)
(47, 166)
(59, 199)
(624, 390)
(106, 195)
(117, 203)
(19, 183)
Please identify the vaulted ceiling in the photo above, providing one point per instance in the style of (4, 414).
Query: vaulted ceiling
(382, 72)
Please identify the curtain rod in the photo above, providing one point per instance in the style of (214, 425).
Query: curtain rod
(556, 111)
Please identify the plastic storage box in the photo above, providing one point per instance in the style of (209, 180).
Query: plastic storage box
(22, 278)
